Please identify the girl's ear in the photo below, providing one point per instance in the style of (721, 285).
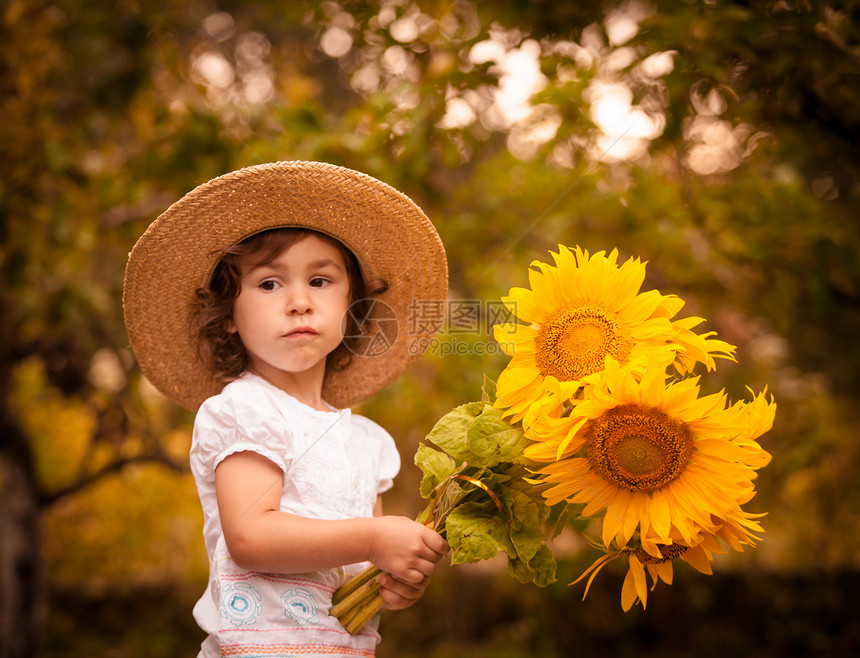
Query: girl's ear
(230, 326)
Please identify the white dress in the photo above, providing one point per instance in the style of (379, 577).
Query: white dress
(335, 463)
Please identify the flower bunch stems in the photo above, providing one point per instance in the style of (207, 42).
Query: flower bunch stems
(357, 600)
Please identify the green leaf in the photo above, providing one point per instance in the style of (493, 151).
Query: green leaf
(474, 532)
(488, 391)
(435, 465)
(561, 514)
(526, 526)
(540, 570)
(530, 513)
(449, 432)
(492, 439)
(543, 566)
(520, 570)
(477, 434)
(526, 541)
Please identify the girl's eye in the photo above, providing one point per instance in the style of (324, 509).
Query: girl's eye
(269, 285)
(318, 282)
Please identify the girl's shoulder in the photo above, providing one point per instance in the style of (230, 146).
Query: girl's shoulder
(377, 440)
(364, 424)
(245, 416)
(246, 390)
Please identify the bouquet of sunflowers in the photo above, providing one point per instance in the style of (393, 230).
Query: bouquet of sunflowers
(597, 414)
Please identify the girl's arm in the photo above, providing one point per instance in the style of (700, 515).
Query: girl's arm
(260, 537)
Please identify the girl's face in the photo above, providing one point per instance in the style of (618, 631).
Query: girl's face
(291, 312)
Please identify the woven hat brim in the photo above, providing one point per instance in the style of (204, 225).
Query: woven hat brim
(389, 234)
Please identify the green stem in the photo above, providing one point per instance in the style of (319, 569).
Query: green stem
(366, 590)
(354, 583)
(363, 615)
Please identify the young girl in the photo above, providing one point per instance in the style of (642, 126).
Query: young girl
(254, 299)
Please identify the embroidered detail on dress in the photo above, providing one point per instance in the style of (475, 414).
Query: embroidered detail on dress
(241, 604)
(300, 606)
(286, 580)
(289, 650)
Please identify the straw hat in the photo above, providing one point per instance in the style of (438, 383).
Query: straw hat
(388, 233)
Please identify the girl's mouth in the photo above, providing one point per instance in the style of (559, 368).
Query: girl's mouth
(301, 331)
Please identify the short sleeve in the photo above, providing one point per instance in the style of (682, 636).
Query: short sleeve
(238, 422)
(388, 458)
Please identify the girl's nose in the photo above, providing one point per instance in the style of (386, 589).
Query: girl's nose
(298, 301)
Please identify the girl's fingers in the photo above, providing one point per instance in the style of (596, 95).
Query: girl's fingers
(397, 593)
(393, 600)
(416, 571)
(438, 545)
(405, 587)
(417, 576)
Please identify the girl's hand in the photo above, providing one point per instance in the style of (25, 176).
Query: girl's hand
(408, 552)
(397, 594)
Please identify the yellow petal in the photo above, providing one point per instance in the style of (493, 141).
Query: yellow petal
(639, 579)
(636, 574)
(594, 569)
(635, 507)
(663, 571)
(660, 516)
(525, 305)
(698, 559)
(628, 592)
(615, 520)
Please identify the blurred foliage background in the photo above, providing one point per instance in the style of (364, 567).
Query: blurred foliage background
(717, 140)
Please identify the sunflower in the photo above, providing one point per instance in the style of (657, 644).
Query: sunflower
(581, 310)
(658, 567)
(654, 456)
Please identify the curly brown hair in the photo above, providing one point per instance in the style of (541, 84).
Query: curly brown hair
(221, 349)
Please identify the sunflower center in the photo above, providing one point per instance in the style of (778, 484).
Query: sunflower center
(667, 551)
(574, 341)
(638, 447)
(638, 455)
